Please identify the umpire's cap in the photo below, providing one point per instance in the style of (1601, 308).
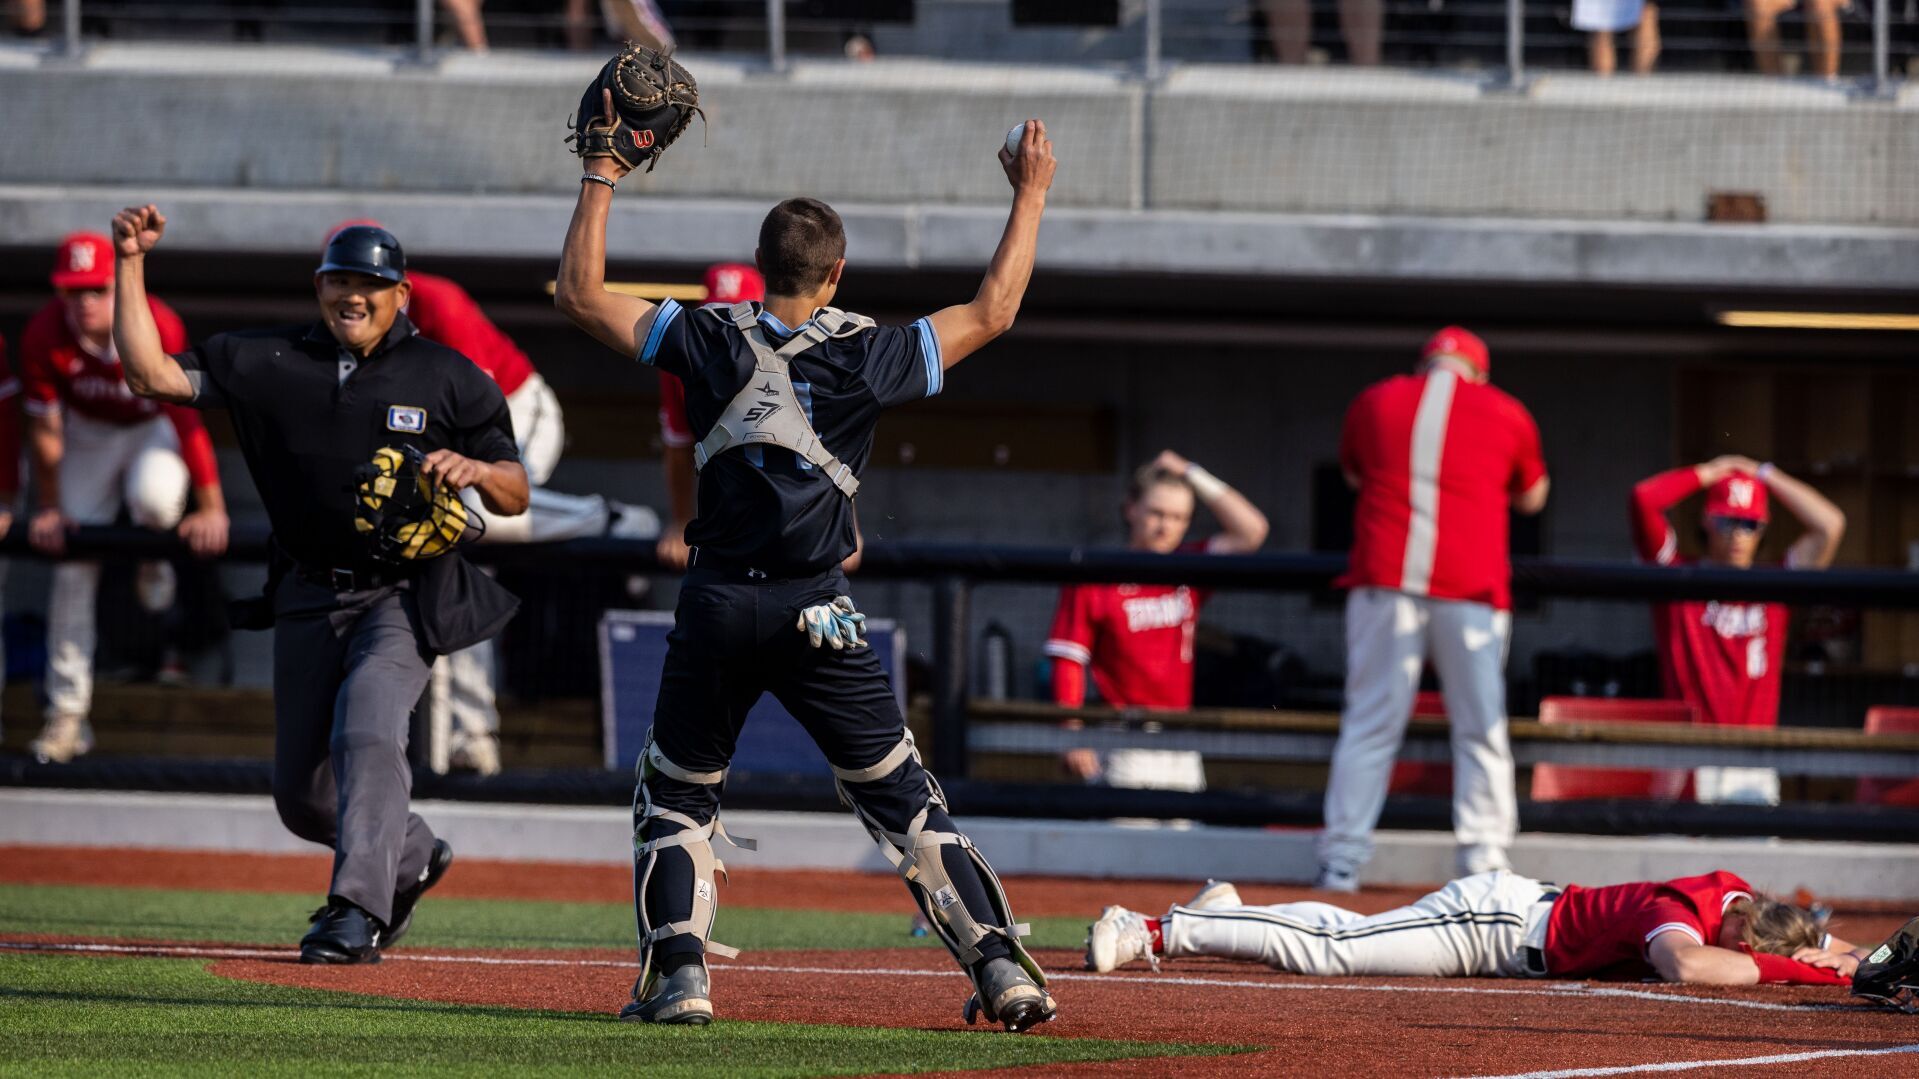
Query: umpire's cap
(367, 249)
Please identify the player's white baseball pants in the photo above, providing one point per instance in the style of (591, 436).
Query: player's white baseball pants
(1154, 769)
(104, 464)
(1389, 637)
(1479, 926)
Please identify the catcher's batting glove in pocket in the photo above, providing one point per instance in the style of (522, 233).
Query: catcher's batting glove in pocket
(838, 624)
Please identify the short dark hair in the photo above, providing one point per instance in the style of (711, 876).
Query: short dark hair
(800, 240)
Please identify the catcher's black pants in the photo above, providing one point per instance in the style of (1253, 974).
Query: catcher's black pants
(347, 670)
(734, 638)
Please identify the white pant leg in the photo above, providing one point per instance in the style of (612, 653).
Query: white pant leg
(1473, 927)
(539, 427)
(1155, 769)
(471, 704)
(156, 481)
(550, 516)
(95, 459)
(1469, 642)
(1723, 785)
(1385, 651)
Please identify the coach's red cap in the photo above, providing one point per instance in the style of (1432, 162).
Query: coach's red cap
(1459, 342)
(1742, 495)
(734, 282)
(84, 260)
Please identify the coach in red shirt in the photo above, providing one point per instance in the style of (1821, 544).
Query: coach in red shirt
(1439, 458)
(1722, 657)
(1137, 639)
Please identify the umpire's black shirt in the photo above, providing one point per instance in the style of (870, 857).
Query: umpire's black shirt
(763, 506)
(309, 414)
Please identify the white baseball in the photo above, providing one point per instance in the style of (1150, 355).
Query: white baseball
(1013, 136)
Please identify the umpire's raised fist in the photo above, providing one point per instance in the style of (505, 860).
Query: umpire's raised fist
(1030, 170)
(137, 229)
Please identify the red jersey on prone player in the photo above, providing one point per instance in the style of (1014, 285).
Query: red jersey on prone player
(1724, 658)
(1137, 639)
(58, 369)
(1604, 932)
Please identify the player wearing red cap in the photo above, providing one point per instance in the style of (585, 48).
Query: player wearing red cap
(461, 705)
(1137, 640)
(95, 446)
(1713, 929)
(1725, 658)
(1438, 458)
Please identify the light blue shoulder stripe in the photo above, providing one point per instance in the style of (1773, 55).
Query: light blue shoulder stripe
(669, 310)
(930, 352)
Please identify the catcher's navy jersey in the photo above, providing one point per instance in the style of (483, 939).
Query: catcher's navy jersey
(306, 422)
(762, 505)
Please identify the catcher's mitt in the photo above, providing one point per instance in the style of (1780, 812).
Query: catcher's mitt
(405, 516)
(654, 100)
(1890, 975)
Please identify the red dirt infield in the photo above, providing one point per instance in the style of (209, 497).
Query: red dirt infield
(1301, 1026)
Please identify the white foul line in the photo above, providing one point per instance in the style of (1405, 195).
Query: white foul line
(1689, 1065)
(1550, 989)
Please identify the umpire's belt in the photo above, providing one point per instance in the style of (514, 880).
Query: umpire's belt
(350, 580)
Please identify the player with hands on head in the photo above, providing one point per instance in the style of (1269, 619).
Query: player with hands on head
(358, 608)
(1713, 929)
(1137, 640)
(1726, 658)
(95, 447)
(783, 397)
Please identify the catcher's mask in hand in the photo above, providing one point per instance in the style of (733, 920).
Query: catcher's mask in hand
(405, 516)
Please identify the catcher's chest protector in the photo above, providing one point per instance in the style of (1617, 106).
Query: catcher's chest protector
(767, 411)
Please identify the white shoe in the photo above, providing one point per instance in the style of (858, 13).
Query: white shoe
(1119, 937)
(156, 584)
(62, 739)
(1333, 879)
(627, 521)
(1215, 895)
(479, 754)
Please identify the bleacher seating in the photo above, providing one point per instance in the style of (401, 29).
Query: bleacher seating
(1558, 783)
(1890, 792)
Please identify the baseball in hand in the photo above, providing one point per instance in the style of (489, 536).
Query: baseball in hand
(1013, 136)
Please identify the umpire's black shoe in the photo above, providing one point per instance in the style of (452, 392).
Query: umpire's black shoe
(341, 933)
(406, 899)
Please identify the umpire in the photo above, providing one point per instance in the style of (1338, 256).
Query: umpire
(784, 397)
(354, 637)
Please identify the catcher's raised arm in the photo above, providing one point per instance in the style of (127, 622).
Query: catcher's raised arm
(633, 110)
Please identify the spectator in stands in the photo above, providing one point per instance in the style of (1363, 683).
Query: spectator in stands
(28, 18)
(1138, 639)
(96, 447)
(460, 695)
(1601, 19)
(1440, 458)
(1725, 657)
(1822, 34)
(1290, 24)
(639, 21)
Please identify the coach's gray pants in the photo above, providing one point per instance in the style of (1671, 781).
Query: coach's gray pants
(347, 670)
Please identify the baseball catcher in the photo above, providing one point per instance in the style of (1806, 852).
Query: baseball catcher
(405, 516)
(1890, 973)
(633, 110)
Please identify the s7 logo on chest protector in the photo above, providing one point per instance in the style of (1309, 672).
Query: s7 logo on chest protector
(406, 419)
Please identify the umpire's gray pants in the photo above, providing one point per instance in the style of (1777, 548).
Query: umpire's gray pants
(347, 670)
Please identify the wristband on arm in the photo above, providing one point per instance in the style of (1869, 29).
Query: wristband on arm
(1782, 970)
(1206, 485)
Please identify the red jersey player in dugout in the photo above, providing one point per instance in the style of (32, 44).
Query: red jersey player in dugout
(1725, 658)
(1137, 640)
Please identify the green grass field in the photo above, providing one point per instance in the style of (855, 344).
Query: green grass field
(90, 1015)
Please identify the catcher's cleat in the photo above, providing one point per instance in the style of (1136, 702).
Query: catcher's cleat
(1016, 1001)
(1119, 937)
(1215, 895)
(407, 898)
(1890, 974)
(679, 998)
(342, 933)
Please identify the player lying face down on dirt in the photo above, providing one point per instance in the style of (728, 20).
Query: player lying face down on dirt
(1713, 929)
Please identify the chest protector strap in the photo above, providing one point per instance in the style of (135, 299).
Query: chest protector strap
(767, 411)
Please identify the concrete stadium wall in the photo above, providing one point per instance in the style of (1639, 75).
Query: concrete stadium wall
(1216, 137)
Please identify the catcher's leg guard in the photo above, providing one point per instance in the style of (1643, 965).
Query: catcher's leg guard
(675, 811)
(904, 810)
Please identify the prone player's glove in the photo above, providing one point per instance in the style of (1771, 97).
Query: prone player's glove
(1890, 974)
(652, 100)
(838, 624)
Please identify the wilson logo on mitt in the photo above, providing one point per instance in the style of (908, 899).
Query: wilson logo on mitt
(405, 516)
(634, 108)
